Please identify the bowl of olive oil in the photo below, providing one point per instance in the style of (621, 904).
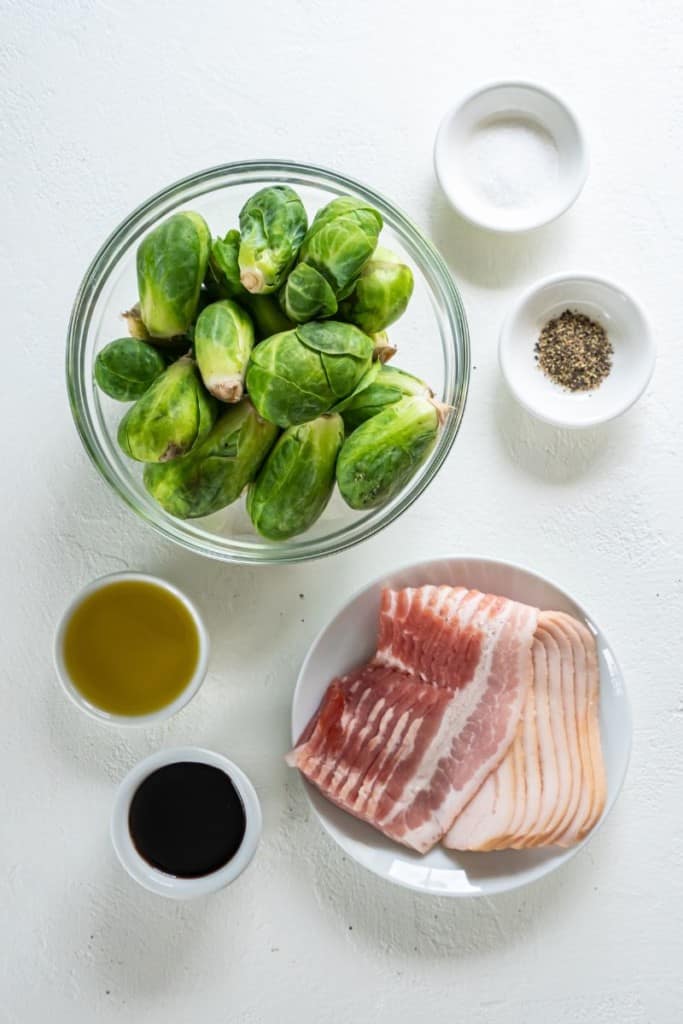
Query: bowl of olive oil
(131, 649)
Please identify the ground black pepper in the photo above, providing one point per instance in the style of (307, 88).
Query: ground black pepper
(574, 351)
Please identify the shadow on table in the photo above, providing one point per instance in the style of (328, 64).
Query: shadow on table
(554, 454)
(395, 921)
(486, 258)
(135, 947)
(550, 453)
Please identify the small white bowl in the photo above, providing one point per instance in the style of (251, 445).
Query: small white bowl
(158, 881)
(633, 359)
(183, 698)
(475, 174)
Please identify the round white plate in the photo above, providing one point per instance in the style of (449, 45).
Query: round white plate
(349, 640)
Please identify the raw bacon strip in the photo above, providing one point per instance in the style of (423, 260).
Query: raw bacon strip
(416, 633)
(497, 692)
(519, 756)
(558, 728)
(592, 803)
(479, 647)
(331, 741)
(507, 806)
(489, 813)
(409, 762)
(547, 754)
(560, 625)
(572, 703)
(564, 659)
(532, 771)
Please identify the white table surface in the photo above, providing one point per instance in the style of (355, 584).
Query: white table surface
(104, 103)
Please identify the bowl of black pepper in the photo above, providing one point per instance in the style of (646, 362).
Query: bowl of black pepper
(576, 350)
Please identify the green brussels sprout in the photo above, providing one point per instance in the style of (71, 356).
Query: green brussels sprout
(173, 415)
(217, 470)
(273, 225)
(223, 282)
(340, 240)
(223, 340)
(307, 295)
(300, 374)
(171, 263)
(366, 380)
(381, 293)
(268, 318)
(339, 248)
(125, 368)
(297, 479)
(389, 385)
(222, 278)
(366, 217)
(384, 350)
(379, 458)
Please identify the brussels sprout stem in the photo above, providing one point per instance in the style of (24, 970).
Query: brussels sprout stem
(252, 280)
(442, 409)
(134, 323)
(226, 389)
(384, 350)
(172, 452)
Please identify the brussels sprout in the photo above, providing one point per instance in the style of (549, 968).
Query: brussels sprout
(222, 278)
(273, 225)
(384, 350)
(338, 251)
(340, 240)
(174, 414)
(223, 340)
(307, 295)
(223, 282)
(379, 458)
(215, 472)
(366, 217)
(297, 479)
(366, 380)
(300, 374)
(125, 368)
(171, 263)
(381, 293)
(390, 385)
(268, 318)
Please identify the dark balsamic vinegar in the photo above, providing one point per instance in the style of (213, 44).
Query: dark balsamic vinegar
(187, 819)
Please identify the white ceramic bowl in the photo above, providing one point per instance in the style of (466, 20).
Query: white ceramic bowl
(633, 360)
(350, 639)
(487, 134)
(158, 881)
(183, 698)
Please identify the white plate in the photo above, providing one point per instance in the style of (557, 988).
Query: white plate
(633, 360)
(349, 640)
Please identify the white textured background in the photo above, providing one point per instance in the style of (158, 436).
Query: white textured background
(106, 102)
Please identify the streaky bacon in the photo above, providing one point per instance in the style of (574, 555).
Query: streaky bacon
(405, 741)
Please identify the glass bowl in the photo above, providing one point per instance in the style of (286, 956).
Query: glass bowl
(432, 340)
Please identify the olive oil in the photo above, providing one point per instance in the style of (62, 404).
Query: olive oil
(131, 647)
(187, 819)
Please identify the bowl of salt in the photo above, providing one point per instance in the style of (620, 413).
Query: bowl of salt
(510, 157)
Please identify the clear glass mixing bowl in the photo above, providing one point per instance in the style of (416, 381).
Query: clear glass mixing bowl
(432, 340)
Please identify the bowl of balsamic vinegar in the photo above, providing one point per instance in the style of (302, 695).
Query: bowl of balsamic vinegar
(185, 822)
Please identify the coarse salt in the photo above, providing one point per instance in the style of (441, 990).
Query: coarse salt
(512, 162)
